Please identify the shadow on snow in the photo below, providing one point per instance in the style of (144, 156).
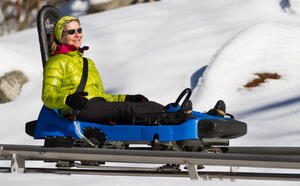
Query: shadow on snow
(196, 76)
(268, 107)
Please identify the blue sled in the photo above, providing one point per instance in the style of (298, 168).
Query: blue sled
(193, 131)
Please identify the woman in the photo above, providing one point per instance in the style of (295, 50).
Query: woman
(62, 75)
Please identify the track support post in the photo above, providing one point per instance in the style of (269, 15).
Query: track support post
(192, 170)
(234, 169)
(17, 164)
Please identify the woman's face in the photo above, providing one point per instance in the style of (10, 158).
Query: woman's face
(70, 34)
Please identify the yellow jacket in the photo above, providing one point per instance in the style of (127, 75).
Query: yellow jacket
(62, 75)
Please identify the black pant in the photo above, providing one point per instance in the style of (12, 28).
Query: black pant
(101, 111)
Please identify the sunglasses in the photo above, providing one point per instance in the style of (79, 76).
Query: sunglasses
(71, 32)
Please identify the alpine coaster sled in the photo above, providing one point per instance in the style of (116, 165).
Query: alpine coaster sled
(169, 130)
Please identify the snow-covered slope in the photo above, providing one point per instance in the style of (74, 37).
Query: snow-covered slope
(158, 49)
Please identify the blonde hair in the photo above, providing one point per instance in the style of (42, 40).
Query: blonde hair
(53, 42)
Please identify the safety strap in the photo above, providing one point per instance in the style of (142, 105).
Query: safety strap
(81, 85)
(80, 88)
(84, 76)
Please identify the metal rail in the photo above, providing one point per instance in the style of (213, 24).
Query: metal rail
(18, 154)
(294, 151)
(205, 175)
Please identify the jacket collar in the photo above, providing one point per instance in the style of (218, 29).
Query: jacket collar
(62, 49)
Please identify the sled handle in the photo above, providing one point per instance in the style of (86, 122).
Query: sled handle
(188, 93)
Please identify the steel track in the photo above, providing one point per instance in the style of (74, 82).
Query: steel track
(261, 157)
(205, 175)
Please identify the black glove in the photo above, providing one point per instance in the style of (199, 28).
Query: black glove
(136, 98)
(77, 101)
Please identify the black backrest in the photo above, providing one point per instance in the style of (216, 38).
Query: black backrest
(47, 17)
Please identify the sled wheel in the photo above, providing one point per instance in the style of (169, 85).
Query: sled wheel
(95, 135)
(188, 93)
(156, 145)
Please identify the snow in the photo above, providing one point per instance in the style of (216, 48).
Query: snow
(158, 49)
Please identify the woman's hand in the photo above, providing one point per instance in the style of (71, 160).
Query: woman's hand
(77, 101)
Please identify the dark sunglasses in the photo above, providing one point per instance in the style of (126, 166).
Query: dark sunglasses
(71, 32)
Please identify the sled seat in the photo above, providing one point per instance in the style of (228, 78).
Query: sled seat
(31, 125)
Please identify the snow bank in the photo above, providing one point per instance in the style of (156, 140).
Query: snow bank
(265, 47)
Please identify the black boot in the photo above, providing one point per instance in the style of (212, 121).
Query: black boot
(219, 110)
(187, 107)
